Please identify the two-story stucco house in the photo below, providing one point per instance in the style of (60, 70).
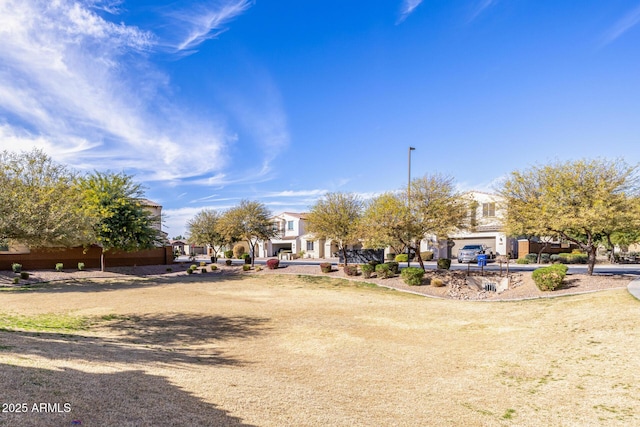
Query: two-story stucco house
(485, 225)
(290, 227)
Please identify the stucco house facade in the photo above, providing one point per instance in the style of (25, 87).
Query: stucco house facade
(486, 213)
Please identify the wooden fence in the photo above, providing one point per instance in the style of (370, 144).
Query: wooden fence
(43, 259)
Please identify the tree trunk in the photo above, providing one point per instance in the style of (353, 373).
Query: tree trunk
(420, 260)
(591, 253)
(102, 259)
(344, 253)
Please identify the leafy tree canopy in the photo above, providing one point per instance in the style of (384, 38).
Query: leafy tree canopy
(205, 229)
(336, 216)
(120, 220)
(579, 201)
(40, 204)
(249, 221)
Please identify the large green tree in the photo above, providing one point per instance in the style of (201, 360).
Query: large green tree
(250, 221)
(205, 229)
(385, 222)
(436, 208)
(431, 206)
(336, 216)
(114, 203)
(40, 203)
(579, 201)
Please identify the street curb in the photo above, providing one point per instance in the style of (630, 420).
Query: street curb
(634, 288)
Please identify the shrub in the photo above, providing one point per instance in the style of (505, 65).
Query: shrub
(238, 251)
(189, 271)
(59, 266)
(532, 258)
(325, 267)
(228, 261)
(436, 282)
(554, 258)
(16, 280)
(228, 254)
(24, 275)
(401, 258)
(351, 270)
(394, 267)
(548, 278)
(412, 276)
(383, 271)
(193, 266)
(367, 269)
(258, 268)
(203, 270)
(545, 258)
(522, 261)
(560, 267)
(273, 263)
(81, 266)
(373, 263)
(444, 263)
(246, 267)
(214, 267)
(203, 264)
(390, 257)
(246, 258)
(17, 268)
(426, 256)
(578, 258)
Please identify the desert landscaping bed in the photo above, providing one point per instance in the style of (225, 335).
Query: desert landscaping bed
(144, 347)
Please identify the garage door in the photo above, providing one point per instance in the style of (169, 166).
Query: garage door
(487, 241)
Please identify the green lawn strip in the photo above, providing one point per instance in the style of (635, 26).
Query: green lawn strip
(48, 322)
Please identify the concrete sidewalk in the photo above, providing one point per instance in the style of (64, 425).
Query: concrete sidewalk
(634, 288)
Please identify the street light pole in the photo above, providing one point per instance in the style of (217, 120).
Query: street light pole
(409, 210)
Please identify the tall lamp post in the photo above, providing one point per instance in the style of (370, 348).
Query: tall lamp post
(409, 210)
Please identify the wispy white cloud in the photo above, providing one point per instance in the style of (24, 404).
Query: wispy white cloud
(81, 88)
(626, 23)
(299, 193)
(480, 7)
(204, 22)
(408, 6)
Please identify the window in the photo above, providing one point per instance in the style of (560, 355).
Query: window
(488, 210)
(310, 245)
(289, 225)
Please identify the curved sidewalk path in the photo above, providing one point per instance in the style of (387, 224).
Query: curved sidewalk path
(634, 288)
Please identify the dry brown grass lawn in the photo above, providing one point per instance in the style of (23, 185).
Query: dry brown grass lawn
(285, 350)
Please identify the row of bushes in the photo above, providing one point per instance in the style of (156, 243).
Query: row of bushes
(17, 268)
(562, 258)
(426, 256)
(411, 275)
(549, 278)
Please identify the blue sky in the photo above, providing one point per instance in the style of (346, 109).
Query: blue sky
(210, 102)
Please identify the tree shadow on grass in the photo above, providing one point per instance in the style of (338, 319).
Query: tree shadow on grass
(127, 398)
(175, 338)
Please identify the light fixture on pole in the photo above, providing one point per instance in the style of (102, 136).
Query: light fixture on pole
(409, 210)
